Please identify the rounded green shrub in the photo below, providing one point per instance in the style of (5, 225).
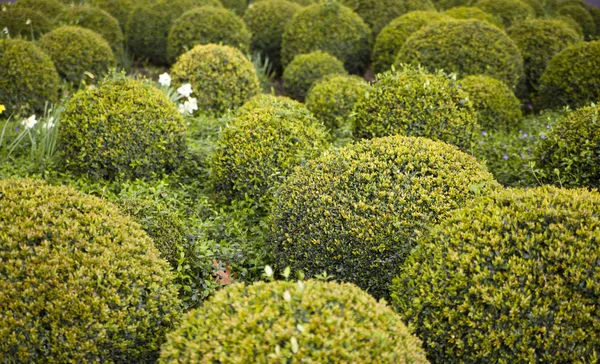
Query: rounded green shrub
(449, 4)
(595, 12)
(266, 20)
(28, 78)
(582, 16)
(120, 9)
(332, 100)
(390, 40)
(414, 103)
(237, 6)
(49, 8)
(357, 212)
(148, 27)
(222, 78)
(538, 6)
(306, 69)
(496, 105)
(80, 282)
(312, 321)
(121, 130)
(76, 51)
(509, 12)
(511, 278)
(379, 13)
(207, 25)
(24, 23)
(329, 27)
(572, 76)
(568, 156)
(466, 13)
(259, 148)
(484, 50)
(571, 23)
(267, 100)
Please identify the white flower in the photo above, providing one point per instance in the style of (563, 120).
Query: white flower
(185, 90)
(50, 124)
(268, 271)
(164, 80)
(189, 106)
(29, 122)
(28, 22)
(287, 296)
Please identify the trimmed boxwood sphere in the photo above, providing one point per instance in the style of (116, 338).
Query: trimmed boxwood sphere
(28, 78)
(312, 322)
(80, 282)
(266, 20)
(121, 130)
(306, 69)
(466, 13)
(49, 8)
(390, 40)
(120, 9)
(15, 20)
(484, 50)
(511, 278)
(496, 105)
(357, 212)
(222, 77)
(75, 51)
(582, 16)
(206, 25)
(509, 12)
(329, 27)
(415, 103)
(572, 76)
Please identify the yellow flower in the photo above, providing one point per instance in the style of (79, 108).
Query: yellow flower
(2, 108)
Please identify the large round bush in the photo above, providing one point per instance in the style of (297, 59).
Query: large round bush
(484, 50)
(121, 130)
(49, 8)
(511, 278)
(24, 23)
(415, 103)
(357, 212)
(206, 25)
(306, 69)
(76, 51)
(390, 40)
(222, 78)
(80, 282)
(509, 12)
(28, 78)
(312, 321)
(572, 76)
(582, 16)
(329, 27)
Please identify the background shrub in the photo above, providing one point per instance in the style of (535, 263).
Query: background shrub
(95, 289)
(120, 9)
(49, 8)
(595, 12)
(448, 4)
(312, 325)
(75, 51)
(306, 69)
(329, 27)
(28, 78)
(357, 212)
(509, 12)
(572, 76)
(222, 77)
(237, 6)
(15, 20)
(485, 50)
(414, 103)
(582, 16)
(267, 100)
(513, 276)
(121, 130)
(465, 13)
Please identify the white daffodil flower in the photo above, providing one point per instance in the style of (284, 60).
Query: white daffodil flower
(185, 90)
(29, 122)
(164, 80)
(49, 124)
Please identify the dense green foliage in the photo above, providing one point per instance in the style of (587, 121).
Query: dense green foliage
(267, 100)
(28, 78)
(357, 212)
(449, 4)
(80, 282)
(511, 278)
(509, 12)
(237, 6)
(121, 130)
(485, 50)
(306, 69)
(222, 78)
(49, 8)
(329, 27)
(312, 321)
(120, 9)
(25, 23)
(465, 13)
(582, 16)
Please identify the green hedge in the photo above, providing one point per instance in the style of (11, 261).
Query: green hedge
(509, 12)
(306, 69)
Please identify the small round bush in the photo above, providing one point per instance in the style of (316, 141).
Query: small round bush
(28, 78)
(222, 77)
(332, 100)
(329, 27)
(357, 212)
(49, 8)
(414, 103)
(509, 12)
(80, 282)
(266, 100)
(572, 149)
(206, 25)
(484, 50)
(465, 13)
(582, 16)
(75, 51)
(121, 130)
(306, 69)
(120, 9)
(237, 6)
(312, 322)
(572, 76)
(496, 105)
(16, 20)
(266, 20)
(390, 40)
(511, 278)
